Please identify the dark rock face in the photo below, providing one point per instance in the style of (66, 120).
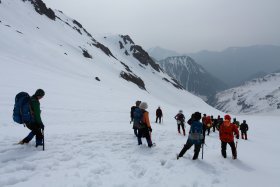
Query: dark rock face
(133, 78)
(96, 78)
(127, 39)
(86, 54)
(126, 67)
(105, 49)
(121, 45)
(192, 76)
(177, 85)
(41, 8)
(143, 57)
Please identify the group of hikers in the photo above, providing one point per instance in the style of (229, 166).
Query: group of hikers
(27, 111)
(227, 129)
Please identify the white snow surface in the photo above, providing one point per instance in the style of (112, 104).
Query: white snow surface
(89, 140)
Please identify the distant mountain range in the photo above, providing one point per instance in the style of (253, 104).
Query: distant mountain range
(234, 65)
(192, 76)
(255, 96)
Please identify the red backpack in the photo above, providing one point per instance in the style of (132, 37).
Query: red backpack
(208, 122)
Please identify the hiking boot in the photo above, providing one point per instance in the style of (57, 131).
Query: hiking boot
(224, 154)
(21, 142)
(178, 157)
(234, 157)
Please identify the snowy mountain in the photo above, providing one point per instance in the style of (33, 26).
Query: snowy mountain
(192, 76)
(160, 53)
(235, 65)
(90, 85)
(255, 96)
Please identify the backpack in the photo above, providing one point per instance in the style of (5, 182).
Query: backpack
(137, 117)
(196, 133)
(22, 112)
(208, 122)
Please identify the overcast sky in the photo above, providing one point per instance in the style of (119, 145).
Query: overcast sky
(181, 25)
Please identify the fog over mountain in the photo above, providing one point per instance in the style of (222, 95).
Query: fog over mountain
(160, 53)
(238, 64)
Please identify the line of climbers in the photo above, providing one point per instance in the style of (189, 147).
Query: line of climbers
(197, 132)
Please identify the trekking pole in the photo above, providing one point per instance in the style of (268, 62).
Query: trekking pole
(202, 151)
(43, 139)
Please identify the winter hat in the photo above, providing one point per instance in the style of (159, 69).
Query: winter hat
(181, 111)
(138, 103)
(227, 117)
(40, 93)
(143, 105)
(197, 116)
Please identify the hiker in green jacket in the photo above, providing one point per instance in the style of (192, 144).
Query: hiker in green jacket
(36, 125)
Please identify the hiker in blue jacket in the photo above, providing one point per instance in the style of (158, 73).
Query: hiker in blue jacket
(195, 136)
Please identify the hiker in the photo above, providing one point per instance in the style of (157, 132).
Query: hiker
(227, 132)
(236, 123)
(180, 122)
(195, 137)
(207, 123)
(36, 125)
(215, 124)
(135, 117)
(220, 121)
(244, 128)
(158, 115)
(145, 128)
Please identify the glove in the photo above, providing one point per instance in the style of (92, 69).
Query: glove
(150, 129)
(237, 136)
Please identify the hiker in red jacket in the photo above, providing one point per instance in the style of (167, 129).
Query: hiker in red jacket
(227, 132)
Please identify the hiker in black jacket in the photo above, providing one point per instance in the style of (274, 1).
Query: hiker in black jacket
(244, 128)
(158, 115)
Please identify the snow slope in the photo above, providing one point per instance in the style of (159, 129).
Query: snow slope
(89, 141)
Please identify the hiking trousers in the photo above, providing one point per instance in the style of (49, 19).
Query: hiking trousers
(244, 133)
(224, 148)
(183, 127)
(158, 118)
(187, 146)
(35, 131)
(144, 133)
